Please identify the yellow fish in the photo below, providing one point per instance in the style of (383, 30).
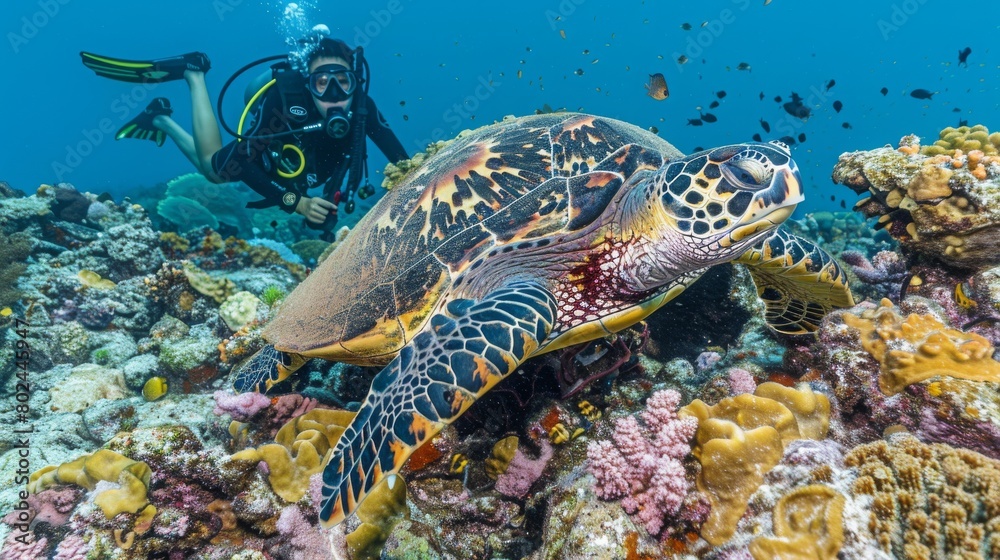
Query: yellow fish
(6, 312)
(963, 296)
(657, 87)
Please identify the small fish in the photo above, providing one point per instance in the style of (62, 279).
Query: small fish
(519, 74)
(657, 87)
(963, 296)
(802, 137)
(796, 108)
(833, 198)
(274, 223)
(697, 149)
(843, 204)
(744, 66)
(562, 33)
(788, 140)
(586, 51)
(765, 126)
(713, 105)
(837, 106)
(830, 84)
(694, 122)
(963, 55)
(885, 91)
(402, 103)
(922, 94)
(6, 312)
(686, 26)
(777, 99)
(708, 117)
(578, 71)
(527, 49)
(406, 117)
(766, 2)
(720, 94)
(654, 130)
(847, 126)
(459, 462)
(682, 59)
(762, 96)
(757, 138)
(956, 110)
(963, 122)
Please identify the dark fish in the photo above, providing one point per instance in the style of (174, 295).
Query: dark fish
(802, 137)
(885, 91)
(657, 87)
(274, 223)
(402, 103)
(777, 99)
(796, 108)
(765, 126)
(713, 105)
(757, 138)
(843, 204)
(743, 66)
(694, 122)
(686, 26)
(682, 59)
(830, 84)
(105, 197)
(956, 110)
(578, 71)
(837, 106)
(698, 149)
(833, 198)
(963, 55)
(654, 130)
(847, 125)
(787, 140)
(720, 94)
(708, 117)
(762, 96)
(922, 94)
(963, 122)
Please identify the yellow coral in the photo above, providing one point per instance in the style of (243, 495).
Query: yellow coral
(503, 453)
(298, 452)
(131, 476)
(384, 507)
(919, 347)
(741, 438)
(930, 182)
(217, 289)
(92, 279)
(808, 525)
(929, 501)
(964, 138)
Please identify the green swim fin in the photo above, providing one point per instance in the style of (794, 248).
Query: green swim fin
(142, 127)
(146, 71)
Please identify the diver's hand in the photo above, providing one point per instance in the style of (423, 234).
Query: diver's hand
(315, 209)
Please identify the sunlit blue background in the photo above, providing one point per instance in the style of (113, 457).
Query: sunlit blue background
(434, 55)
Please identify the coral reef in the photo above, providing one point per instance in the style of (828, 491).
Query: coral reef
(929, 501)
(88, 471)
(807, 523)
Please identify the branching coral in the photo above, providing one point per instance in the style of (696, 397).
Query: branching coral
(642, 463)
(918, 347)
(929, 501)
(883, 275)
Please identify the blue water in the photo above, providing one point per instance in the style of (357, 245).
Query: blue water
(436, 56)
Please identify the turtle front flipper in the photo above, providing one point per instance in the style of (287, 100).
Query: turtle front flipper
(265, 369)
(798, 281)
(463, 352)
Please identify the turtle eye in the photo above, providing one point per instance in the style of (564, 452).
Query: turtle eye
(748, 173)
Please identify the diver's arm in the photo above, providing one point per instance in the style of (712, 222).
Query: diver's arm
(236, 162)
(383, 136)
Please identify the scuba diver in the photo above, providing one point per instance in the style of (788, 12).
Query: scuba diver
(302, 128)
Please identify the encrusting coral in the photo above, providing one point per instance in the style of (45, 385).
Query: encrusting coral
(102, 465)
(741, 438)
(298, 452)
(929, 501)
(918, 347)
(808, 524)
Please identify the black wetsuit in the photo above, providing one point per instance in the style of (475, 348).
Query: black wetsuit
(326, 161)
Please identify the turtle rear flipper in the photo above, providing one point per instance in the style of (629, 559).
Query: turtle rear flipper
(798, 281)
(462, 353)
(265, 369)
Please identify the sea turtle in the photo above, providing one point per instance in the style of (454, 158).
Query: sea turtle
(520, 238)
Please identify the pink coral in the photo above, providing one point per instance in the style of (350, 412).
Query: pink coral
(741, 381)
(288, 407)
(304, 538)
(642, 464)
(54, 506)
(23, 546)
(241, 407)
(73, 547)
(523, 471)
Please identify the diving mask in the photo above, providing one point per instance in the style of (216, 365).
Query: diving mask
(332, 83)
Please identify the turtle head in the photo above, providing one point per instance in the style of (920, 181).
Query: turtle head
(722, 200)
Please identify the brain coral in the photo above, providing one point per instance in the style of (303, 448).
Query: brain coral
(929, 501)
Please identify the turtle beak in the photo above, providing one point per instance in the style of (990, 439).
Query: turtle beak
(777, 203)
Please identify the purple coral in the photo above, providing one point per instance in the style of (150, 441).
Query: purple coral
(885, 272)
(303, 537)
(241, 407)
(741, 381)
(523, 471)
(642, 464)
(706, 360)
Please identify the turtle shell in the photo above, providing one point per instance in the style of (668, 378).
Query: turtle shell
(379, 287)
